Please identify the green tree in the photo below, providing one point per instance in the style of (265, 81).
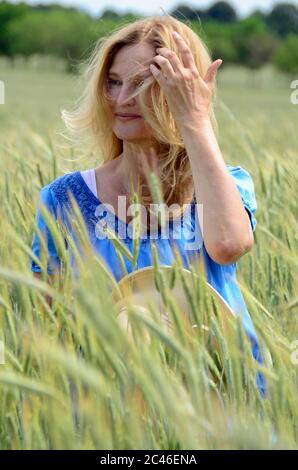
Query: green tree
(8, 13)
(110, 14)
(260, 49)
(283, 19)
(222, 12)
(219, 40)
(53, 33)
(254, 43)
(286, 56)
(186, 13)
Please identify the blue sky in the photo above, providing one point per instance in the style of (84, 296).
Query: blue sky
(149, 7)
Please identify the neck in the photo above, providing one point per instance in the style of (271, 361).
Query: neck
(136, 162)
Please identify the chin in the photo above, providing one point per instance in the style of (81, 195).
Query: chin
(131, 139)
(133, 134)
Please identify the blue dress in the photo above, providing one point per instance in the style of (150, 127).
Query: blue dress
(55, 196)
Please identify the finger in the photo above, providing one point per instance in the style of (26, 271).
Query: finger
(187, 56)
(165, 66)
(172, 58)
(212, 71)
(157, 74)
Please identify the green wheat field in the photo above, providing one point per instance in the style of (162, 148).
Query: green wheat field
(177, 392)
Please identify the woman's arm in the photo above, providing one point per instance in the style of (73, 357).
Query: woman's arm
(226, 230)
(225, 227)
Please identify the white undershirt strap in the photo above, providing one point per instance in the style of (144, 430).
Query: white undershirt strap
(90, 180)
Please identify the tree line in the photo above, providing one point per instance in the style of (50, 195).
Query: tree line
(70, 33)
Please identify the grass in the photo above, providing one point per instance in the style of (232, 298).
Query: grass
(71, 378)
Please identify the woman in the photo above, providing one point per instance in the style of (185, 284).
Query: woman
(148, 104)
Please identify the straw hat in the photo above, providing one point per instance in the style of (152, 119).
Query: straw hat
(139, 291)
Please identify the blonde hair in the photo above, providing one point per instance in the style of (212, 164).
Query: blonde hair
(90, 124)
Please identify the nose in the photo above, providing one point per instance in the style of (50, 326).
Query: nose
(124, 98)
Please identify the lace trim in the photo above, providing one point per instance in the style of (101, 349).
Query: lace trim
(97, 216)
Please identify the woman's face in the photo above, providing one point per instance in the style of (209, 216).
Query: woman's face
(121, 82)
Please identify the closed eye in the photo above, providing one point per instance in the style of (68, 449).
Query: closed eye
(113, 82)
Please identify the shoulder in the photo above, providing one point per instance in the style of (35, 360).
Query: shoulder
(244, 182)
(56, 194)
(246, 188)
(58, 190)
(245, 185)
(61, 187)
(239, 173)
(60, 194)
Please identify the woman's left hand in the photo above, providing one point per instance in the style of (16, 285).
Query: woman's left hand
(187, 93)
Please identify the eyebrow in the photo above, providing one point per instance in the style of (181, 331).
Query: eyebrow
(114, 74)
